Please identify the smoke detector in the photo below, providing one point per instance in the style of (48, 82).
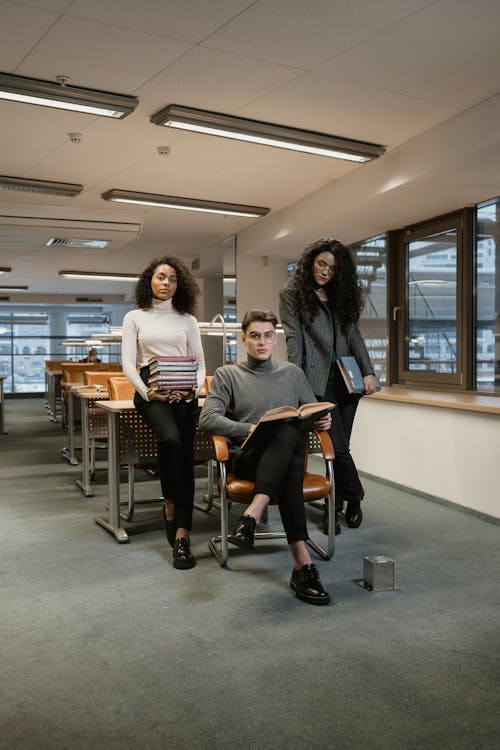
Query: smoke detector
(75, 137)
(163, 150)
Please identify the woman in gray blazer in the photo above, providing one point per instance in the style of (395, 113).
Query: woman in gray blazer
(319, 308)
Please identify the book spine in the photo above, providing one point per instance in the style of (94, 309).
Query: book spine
(173, 359)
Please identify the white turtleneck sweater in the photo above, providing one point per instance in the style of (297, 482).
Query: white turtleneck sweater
(159, 331)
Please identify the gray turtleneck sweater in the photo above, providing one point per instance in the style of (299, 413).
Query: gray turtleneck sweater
(240, 394)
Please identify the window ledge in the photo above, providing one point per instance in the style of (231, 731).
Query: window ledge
(474, 402)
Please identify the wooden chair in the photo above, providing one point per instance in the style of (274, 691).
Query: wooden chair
(99, 377)
(235, 490)
(120, 389)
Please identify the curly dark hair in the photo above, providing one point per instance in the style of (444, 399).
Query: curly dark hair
(184, 299)
(344, 292)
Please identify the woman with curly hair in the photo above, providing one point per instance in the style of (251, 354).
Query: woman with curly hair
(319, 308)
(164, 325)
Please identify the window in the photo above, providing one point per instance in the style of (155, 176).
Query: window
(488, 297)
(370, 259)
(29, 337)
(432, 303)
(21, 337)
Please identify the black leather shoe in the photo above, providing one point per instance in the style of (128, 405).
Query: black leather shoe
(182, 554)
(325, 522)
(244, 532)
(170, 528)
(353, 513)
(306, 585)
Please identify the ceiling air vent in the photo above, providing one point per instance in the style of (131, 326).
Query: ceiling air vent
(54, 241)
(90, 299)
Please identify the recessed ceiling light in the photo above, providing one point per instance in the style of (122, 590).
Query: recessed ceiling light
(13, 288)
(185, 204)
(98, 276)
(266, 133)
(4, 269)
(62, 96)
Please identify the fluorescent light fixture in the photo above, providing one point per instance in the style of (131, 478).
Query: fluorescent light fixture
(13, 288)
(78, 243)
(98, 276)
(62, 96)
(4, 269)
(185, 204)
(45, 187)
(266, 133)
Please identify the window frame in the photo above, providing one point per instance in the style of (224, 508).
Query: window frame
(463, 223)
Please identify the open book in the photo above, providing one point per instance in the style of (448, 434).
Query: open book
(306, 414)
(353, 378)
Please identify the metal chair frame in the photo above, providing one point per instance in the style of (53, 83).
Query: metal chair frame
(317, 442)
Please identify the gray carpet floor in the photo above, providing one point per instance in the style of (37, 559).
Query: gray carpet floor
(107, 646)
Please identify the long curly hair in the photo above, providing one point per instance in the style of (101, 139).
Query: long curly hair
(184, 299)
(344, 291)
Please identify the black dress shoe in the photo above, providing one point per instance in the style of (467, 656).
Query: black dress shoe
(353, 513)
(306, 585)
(244, 532)
(170, 528)
(325, 522)
(183, 557)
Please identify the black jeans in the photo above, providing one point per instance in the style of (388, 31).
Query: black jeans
(174, 426)
(276, 467)
(347, 482)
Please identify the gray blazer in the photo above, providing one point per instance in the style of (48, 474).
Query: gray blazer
(311, 349)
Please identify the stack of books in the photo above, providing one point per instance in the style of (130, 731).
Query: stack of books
(173, 374)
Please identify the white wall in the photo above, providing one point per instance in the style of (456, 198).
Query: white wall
(258, 282)
(447, 453)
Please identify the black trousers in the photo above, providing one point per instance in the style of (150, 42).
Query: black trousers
(276, 467)
(174, 426)
(347, 483)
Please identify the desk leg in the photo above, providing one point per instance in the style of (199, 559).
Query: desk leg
(85, 485)
(2, 402)
(53, 400)
(112, 522)
(69, 452)
(46, 394)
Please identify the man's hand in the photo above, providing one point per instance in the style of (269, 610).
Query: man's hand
(324, 422)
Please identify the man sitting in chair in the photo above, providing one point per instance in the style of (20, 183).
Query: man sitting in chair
(238, 396)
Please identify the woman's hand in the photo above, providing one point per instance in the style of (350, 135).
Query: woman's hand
(369, 381)
(155, 396)
(171, 397)
(323, 423)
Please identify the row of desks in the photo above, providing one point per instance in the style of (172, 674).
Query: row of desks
(129, 441)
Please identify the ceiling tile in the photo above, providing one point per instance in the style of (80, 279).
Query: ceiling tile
(419, 48)
(190, 20)
(306, 34)
(209, 79)
(30, 24)
(99, 56)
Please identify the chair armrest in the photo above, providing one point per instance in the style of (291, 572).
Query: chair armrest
(221, 448)
(326, 445)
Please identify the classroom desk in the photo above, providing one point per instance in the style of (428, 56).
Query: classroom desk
(125, 430)
(131, 441)
(2, 415)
